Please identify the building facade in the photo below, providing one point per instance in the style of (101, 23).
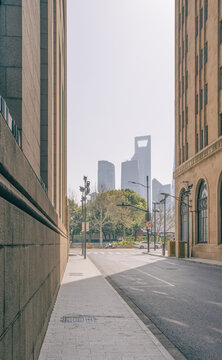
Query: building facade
(138, 168)
(33, 201)
(106, 176)
(198, 125)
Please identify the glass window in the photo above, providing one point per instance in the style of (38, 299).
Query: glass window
(206, 10)
(206, 94)
(220, 31)
(186, 7)
(184, 216)
(205, 52)
(202, 213)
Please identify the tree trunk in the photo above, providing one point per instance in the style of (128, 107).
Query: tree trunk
(100, 235)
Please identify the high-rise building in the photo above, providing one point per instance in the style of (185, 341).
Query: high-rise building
(198, 125)
(106, 176)
(138, 168)
(158, 188)
(33, 201)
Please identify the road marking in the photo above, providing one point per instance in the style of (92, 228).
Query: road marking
(155, 277)
(159, 292)
(175, 322)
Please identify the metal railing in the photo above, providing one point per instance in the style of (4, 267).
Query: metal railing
(10, 122)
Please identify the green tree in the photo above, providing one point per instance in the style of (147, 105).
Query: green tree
(75, 219)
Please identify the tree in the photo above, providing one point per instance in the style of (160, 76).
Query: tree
(75, 218)
(110, 219)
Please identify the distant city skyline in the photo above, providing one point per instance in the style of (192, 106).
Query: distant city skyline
(120, 85)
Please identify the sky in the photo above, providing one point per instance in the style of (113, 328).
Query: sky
(120, 85)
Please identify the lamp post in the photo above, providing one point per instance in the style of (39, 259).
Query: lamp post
(147, 211)
(155, 210)
(164, 221)
(85, 190)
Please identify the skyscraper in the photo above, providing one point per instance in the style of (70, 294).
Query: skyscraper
(106, 176)
(198, 125)
(33, 196)
(158, 188)
(138, 168)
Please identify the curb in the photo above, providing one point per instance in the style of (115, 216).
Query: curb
(168, 348)
(190, 260)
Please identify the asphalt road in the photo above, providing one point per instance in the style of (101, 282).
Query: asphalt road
(184, 300)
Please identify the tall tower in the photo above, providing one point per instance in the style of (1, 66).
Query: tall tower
(198, 124)
(138, 168)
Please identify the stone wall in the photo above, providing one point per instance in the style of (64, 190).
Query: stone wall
(33, 253)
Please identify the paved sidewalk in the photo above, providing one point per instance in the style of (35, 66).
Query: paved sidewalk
(90, 321)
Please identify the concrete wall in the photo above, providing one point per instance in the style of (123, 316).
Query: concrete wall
(33, 254)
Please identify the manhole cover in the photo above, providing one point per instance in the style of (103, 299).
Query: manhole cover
(79, 319)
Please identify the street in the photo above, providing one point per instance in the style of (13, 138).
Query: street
(184, 300)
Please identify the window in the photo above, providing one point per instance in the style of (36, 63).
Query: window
(196, 143)
(201, 139)
(220, 78)
(179, 21)
(183, 153)
(186, 43)
(196, 67)
(206, 135)
(196, 26)
(186, 115)
(220, 124)
(206, 10)
(201, 99)
(196, 104)
(179, 122)
(184, 216)
(202, 213)
(183, 84)
(201, 18)
(186, 79)
(206, 52)
(220, 31)
(183, 49)
(186, 9)
(201, 59)
(206, 94)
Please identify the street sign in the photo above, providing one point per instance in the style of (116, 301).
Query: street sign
(149, 224)
(83, 226)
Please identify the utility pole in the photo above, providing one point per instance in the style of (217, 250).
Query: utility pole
(147, 209)
(85, 190)
(155, 210)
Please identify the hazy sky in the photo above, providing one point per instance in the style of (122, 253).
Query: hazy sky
(120, 85)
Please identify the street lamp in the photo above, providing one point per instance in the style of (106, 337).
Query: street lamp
(164, 221)
(85, 190)
(147, 211)
(155, 210)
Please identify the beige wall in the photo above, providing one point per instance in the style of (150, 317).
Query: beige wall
(202, 163)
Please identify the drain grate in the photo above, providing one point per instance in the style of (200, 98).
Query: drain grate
(78, 319)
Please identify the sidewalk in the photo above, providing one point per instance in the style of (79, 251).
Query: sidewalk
(90, 321)
(158, 252)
